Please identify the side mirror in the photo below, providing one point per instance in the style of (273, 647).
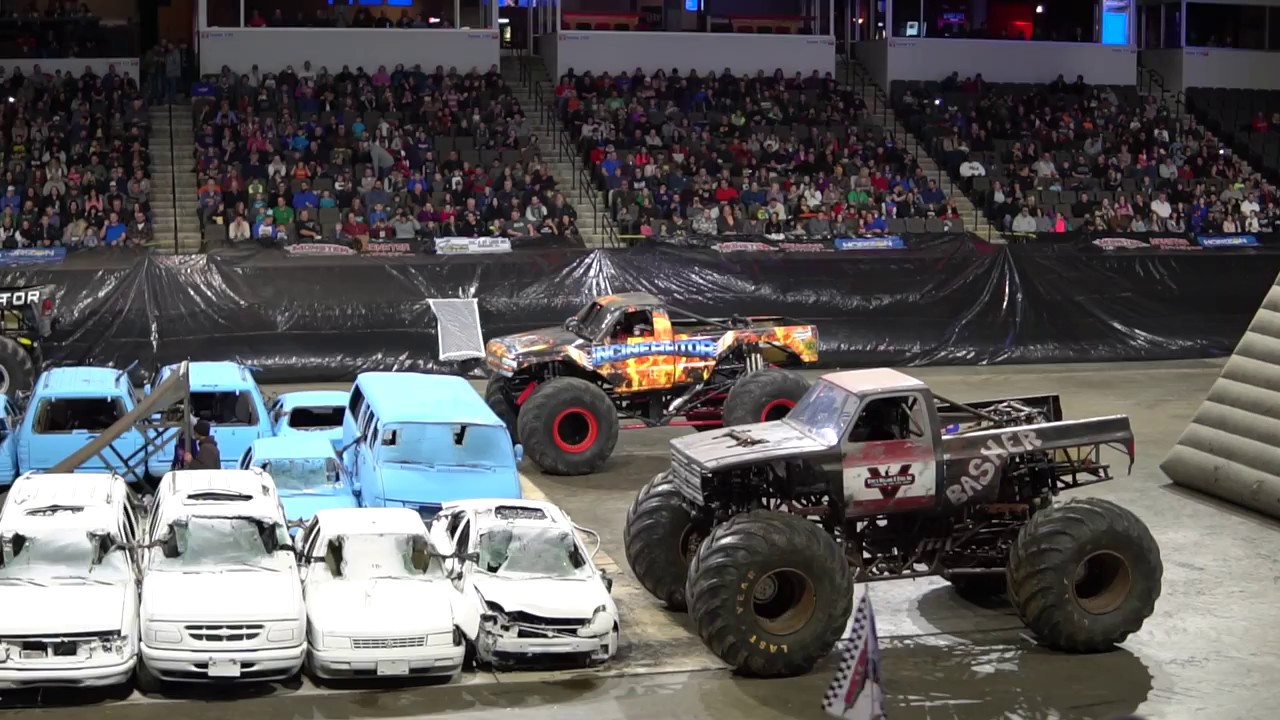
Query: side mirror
(519, 453)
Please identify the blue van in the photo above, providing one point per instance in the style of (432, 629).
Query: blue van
(308, 474)
(419, 441)
(225, 394)
(310, 412)
(70, 406)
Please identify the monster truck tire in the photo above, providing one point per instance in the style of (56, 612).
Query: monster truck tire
(568, 426)
(1084, 575)
(763, 395)
(770, 593)
(981, 590)
(659, 538)
(17, 368)
(495, 397)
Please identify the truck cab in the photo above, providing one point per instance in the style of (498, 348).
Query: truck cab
(69, 407)
(226, 395)
(310, 412)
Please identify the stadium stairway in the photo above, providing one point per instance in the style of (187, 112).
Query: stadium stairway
(883, 117)
(561, 161)
(1230, 448)
(1152, 84)
(175, 213)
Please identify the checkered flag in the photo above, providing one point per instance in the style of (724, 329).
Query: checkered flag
(857, 692)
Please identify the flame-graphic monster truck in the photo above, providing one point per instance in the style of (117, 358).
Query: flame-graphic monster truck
(561, 390)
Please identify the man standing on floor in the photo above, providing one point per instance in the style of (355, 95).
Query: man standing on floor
(207, 457)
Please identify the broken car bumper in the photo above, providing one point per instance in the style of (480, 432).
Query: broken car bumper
(66, 675)
(195, 665)
(495, 644)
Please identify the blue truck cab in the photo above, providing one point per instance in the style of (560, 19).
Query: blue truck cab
(10, 418)
(310, 412)
(225, 394)
(419, 441)
(307, 472)
(69, 407)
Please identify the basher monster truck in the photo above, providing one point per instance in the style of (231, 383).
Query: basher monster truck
(27, 316)
(761, 531)
(561, 390)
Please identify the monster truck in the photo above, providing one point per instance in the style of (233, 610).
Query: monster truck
(27, 316)
(760, 531)
(561, 390)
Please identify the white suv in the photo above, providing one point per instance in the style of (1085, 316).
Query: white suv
(221, 598)
(68, 582)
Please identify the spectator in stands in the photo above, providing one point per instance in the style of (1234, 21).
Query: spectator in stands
(114, 233)
(309, 231)
(239, 230)
(139, 233)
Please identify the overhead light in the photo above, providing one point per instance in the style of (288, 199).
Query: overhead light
(1039, 9)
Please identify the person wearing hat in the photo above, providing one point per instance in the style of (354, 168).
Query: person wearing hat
(207, 456)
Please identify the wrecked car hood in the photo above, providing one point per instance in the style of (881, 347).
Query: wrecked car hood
(381, 607)
(570, 598)
(716, 449)
(221, 596)
(61, 609)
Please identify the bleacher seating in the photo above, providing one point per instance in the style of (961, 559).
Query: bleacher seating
(77, 155)
(745, 155)
(1247, 120)
(453, 152)
(1046, 158)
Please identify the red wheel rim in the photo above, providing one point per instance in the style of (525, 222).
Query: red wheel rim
(575, 430)
(776, 410)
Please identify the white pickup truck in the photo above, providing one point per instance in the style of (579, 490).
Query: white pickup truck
(67, 582)
(221, 596)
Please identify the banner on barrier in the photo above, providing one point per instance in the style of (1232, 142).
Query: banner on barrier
(890, 242)
(472, 245)
(31, 256)
(1227, 241)
(317, 249)
(390, 248)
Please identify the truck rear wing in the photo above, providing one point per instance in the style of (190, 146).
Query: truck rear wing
(953, 413)
(1073, 448)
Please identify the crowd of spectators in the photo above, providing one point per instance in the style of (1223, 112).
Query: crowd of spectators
(306, 155)
(725, 155)
(64, 28)
(1070, 156)
(340, 17)
(74, 154)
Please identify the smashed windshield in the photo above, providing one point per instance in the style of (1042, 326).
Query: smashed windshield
(531, 550)
(63, 554)
(218, 542)
(446, 445)
(824, 412)
(304, 474)
(372, 557)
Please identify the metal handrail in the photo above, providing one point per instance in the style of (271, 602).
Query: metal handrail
(173, 180)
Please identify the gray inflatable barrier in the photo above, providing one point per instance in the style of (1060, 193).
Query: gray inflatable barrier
(1231, 449)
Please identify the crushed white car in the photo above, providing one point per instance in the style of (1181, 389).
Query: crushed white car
(221, 596)
(378, 600)
(524, 564)
(67, 582)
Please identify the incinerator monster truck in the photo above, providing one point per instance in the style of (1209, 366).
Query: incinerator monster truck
(27, 317)
(561, 390)
(762, 530)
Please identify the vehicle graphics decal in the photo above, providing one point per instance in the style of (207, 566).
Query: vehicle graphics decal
(981, 471)
(693, 347)
(893, 475)
(888, 479)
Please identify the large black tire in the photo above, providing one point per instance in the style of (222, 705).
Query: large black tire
(17, 369)
(660, 538)
(495, 397)
(770, 593)
(1084, 575)
(984, 590)
(145, 680)
(763, 395)
(568, 427)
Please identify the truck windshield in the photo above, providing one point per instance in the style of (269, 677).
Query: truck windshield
(538, 551)
(591, 322)
(374, 557)
(446, 445)
(62, 554)
(316, 418)
(218, 542)
(304, 474)
(823, 412)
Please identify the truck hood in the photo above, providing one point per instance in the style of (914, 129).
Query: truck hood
(62, 609)
(568, 598)
(381, 607)
(757, 442)
(415, 485)
(233, 596)
(513, 351)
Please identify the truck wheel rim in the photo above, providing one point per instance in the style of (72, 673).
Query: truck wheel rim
(575, 430)
(4, 379)
(784, 601)
(776, 410)
(1102, 582)
(690, 540)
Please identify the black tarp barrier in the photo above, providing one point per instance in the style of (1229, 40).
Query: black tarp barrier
(937, 300)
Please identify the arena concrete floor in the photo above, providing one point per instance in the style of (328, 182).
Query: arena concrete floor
(1210, 651)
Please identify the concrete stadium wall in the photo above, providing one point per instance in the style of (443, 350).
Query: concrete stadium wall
(1231, 449)
(75, 66)
(1184, 68)
(271, 49)
(650, 51)
(1011, 60)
